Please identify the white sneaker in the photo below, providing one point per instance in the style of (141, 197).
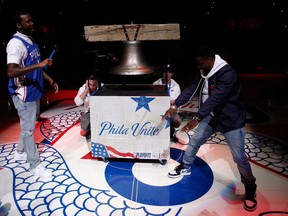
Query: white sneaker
(41, 171)
(180, 170)
(20, 157)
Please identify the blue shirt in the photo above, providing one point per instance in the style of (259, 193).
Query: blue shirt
(31, 86)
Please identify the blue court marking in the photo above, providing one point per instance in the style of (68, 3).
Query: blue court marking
(120, 178)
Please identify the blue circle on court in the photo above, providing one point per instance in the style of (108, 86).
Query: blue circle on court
(120, 178)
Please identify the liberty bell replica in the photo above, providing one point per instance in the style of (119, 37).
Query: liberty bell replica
(132, 60)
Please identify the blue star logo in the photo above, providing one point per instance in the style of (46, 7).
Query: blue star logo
(143, 102)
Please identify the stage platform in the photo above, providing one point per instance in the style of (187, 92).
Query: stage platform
(84, 185)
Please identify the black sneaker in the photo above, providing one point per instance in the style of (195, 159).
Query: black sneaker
(250, 202)
(180, 170)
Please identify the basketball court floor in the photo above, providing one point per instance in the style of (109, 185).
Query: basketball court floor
(83, 185)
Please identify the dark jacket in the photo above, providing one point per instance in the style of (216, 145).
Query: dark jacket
(224, 102)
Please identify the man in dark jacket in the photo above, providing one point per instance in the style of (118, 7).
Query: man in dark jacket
(221, 109)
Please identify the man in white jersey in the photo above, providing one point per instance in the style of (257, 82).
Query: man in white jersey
(173, 87)
(26, 87)
(174, 91)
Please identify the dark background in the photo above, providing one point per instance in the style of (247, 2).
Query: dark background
(250, 35)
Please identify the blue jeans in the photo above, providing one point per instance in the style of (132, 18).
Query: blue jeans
(27, 112)
(236, 143)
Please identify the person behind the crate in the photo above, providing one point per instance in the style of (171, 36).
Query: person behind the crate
(89, 88)
(174, 90)
(173, 87)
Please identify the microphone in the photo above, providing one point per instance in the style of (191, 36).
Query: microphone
(56, 48)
